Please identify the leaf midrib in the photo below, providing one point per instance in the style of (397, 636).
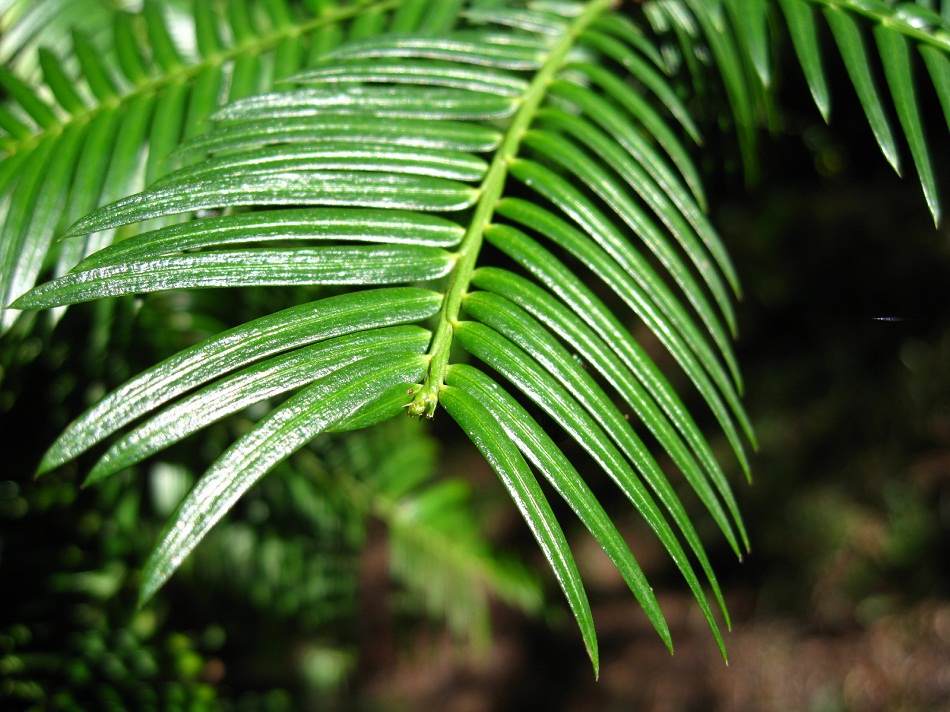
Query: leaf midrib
(184, 72)
(491, 189)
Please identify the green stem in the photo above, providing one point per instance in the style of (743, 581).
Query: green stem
(427, 398)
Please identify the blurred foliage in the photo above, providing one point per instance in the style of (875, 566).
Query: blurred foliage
(267, 614)
(70, 637)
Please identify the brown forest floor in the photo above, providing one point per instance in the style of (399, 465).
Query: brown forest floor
(899, 662)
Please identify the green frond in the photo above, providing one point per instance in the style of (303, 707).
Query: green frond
(866, 35)
(481, 425)
(552, 272)
(541, 451)
(253, 384)
(446, 185)
(516, 325)
(105, 103)
(381, 171)
(897, 31)
(283, 431)
(557, 400)
(302, 565)
(27, 26)
(292, 328)
(745, 97)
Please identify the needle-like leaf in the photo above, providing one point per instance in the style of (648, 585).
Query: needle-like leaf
(522, 330)
(394, 264)
(502, 454)
(217, 356)
(530, 378)
(895, 56)
(330, 399)
(538, 447)
(801, 25)
(265, 379)
(847, 35)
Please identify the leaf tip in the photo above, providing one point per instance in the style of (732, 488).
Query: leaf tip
(49, 463)
(594, 656)
(23, 302)
(934, 204)
(97, 474)
(892, 157)
(74, 230)
(144, 597)
(153, 581)
(722, 646)
(823, 103)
